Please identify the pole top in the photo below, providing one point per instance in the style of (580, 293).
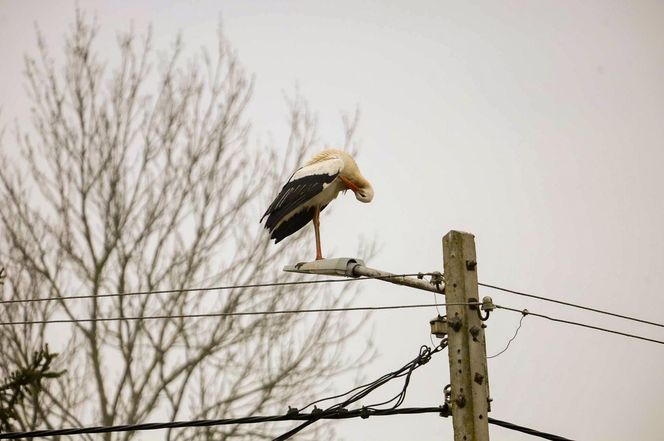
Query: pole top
(339, 266)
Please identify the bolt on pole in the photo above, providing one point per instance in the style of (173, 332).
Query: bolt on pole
(469, 400)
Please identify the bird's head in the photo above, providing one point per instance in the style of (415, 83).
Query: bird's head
(351, 177)
(364, 193)
(360, 186)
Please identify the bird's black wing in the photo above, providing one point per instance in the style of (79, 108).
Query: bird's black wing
(294, 194)
(305, 184)
(293, 224)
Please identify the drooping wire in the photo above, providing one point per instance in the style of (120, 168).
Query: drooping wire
(573, 305)
(423, 357)
(583, 325)
(360, 392)
(406, 371)
(524, 314)
(435, 300)
(227, 314)
(439, 315)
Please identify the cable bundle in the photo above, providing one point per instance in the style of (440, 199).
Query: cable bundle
(362, 391)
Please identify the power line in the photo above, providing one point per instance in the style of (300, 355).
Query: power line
(584, 325)
(333, 414)
(201, 289)
(328, 415)
(527, 430)
(573, 305)
(227, 314)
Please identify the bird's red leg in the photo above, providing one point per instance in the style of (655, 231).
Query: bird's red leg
(316, 220)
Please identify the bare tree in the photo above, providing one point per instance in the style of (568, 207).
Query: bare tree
(141, 177)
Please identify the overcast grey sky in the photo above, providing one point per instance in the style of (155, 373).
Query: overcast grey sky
(537, 126)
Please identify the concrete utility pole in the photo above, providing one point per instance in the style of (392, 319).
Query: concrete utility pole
(469, 400)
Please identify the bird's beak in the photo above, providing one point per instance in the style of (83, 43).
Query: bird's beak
(350, 184)
(363, 194)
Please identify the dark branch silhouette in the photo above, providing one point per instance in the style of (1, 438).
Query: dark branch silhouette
(23, 383)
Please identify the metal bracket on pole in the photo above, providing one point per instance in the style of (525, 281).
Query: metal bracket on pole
(439, 326)
(340, 266)
(354, 267)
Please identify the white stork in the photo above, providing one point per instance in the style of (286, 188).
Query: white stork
(310, 189)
